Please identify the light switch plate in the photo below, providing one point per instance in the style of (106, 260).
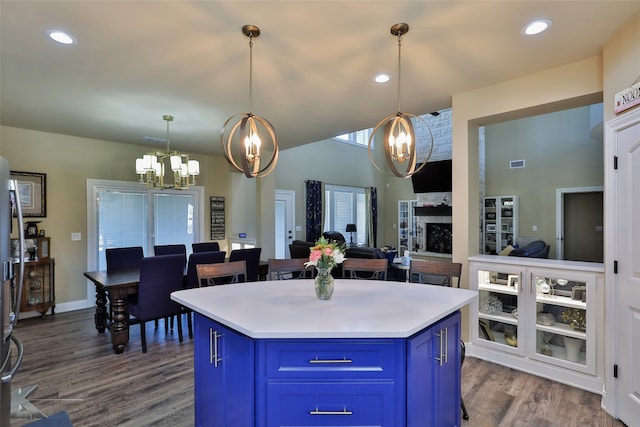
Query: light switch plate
(76, 236)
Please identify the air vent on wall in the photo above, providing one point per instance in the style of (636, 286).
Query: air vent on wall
(514, 164)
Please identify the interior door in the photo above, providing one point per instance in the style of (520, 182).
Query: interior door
(285, 222)
(627, 280)
(582, 225)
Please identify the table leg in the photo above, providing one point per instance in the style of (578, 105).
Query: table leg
(100, 317)
(119, 320)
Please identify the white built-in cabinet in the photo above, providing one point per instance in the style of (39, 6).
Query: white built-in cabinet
(499, 223)
(407, 226)
(540, 316)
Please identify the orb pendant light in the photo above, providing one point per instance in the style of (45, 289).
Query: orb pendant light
(399, 136)
(246, 137)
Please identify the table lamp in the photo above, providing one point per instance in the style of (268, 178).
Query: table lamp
(350, 229)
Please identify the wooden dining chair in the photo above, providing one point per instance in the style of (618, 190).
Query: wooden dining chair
(252, 257)
(289, 268)
(365, 268)
(442, 274)
(435, 272)
(221, 273)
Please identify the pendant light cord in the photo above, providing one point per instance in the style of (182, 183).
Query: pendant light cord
(399, 69)
(250, 74)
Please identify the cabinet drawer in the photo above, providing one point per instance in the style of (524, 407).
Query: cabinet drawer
(345, 404)
(332, 359)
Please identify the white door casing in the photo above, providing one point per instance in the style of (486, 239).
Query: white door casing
(285, 232)
(622, 253)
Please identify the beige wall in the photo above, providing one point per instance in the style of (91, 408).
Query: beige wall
(559, 153)
(68, 162)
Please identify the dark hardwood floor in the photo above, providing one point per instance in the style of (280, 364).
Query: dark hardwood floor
(76, 371)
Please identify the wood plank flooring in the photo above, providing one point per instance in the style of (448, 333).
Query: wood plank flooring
(76, 371)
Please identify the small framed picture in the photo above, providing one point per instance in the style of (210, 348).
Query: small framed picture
(512, 281)
(491, 227)
(579, 293)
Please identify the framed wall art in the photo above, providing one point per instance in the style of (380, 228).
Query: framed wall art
(32, 188)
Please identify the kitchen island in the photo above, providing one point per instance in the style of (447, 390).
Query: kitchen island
(377, 353)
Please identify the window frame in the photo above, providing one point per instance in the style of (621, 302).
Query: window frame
(356, 217)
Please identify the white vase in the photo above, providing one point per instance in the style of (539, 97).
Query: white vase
(572, 346)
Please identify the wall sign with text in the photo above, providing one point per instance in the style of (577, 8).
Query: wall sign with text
(217, 218)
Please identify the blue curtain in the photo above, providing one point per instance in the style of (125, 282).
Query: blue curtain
(314, 210)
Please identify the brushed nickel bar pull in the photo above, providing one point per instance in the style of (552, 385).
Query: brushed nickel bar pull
(213, 347)
(318, 412)
(343, 360)
(439, 357)
(445, 331)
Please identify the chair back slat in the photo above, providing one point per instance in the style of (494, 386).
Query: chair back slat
(221, 273)
(197, 258)
(435, 272)
(290, 268)
(252, 257)
(365, 268)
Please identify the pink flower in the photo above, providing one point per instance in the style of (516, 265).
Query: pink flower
(315, 255)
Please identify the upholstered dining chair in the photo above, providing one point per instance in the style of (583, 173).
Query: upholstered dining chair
(179, 249)
(205, 247)
(159, 276)
(191, 278)
(289, 268)
(221, 273)
(443, 274)
(365, 268)
(252, 257)
(123, 258)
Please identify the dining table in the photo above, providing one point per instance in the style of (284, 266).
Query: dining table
(114, 286)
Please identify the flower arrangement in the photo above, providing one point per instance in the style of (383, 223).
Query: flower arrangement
(326, 254)
(576, 317)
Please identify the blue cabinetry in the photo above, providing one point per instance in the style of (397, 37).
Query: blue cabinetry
(433, 379)
(224, 375)
(391, 382)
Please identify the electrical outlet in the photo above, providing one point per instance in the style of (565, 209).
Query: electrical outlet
(535, 228)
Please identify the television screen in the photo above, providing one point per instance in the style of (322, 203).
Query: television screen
(434, 178)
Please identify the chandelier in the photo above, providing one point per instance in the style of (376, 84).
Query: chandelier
(152, 166)
(399, 138)
(243, 145)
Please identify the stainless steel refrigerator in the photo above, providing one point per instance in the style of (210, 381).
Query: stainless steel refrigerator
(11, 290)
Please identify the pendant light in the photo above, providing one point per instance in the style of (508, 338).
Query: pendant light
(244, 139)
(151, 166)
(399, 140)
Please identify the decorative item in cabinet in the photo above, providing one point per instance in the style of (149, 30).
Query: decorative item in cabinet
(38, 291)
(562, 315)
(498, 304)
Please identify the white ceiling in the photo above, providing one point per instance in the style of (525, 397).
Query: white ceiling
(313, 64)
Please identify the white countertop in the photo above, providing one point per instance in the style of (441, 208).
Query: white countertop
(595, 267)
(358, 308)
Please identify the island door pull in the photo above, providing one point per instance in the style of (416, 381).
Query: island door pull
(213, 347)
(343, 360)
(343, 412)
(440, 357)
(445, 356)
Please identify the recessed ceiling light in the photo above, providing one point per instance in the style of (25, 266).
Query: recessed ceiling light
(61, 37)
(536, 27)
(382, 78)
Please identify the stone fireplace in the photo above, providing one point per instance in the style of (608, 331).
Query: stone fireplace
(434, 230)
(438, 237)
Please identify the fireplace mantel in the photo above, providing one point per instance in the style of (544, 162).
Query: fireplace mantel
(433, 210)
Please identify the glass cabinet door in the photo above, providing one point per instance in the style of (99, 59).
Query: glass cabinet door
(564, 325)
(500, 309)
